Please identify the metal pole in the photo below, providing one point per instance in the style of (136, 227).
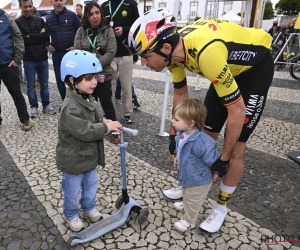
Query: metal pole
(167, 84)
(197, 83)
(205, 9)
(145, 6)
(165, 105)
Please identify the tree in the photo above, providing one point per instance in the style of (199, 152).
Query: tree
(288, 7)
(269, 12)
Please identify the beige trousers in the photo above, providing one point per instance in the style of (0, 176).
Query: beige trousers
(125, 66)
(193, 198)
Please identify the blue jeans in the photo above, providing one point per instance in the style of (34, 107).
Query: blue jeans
(56, 58)
(71, 184)
(118, 89)
(42, 69)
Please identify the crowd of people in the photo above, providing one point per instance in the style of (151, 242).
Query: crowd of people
(88, 54)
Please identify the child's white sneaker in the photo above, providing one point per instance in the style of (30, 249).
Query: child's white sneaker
(76, 224)
(94, 215)
(178, 206)
(183, 226)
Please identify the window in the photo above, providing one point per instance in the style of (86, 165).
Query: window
(162, 5)
(193, 9)
(227, 7)
(147, 8)
(179, 11)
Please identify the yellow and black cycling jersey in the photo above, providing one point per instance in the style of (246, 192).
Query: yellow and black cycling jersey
(220, 50)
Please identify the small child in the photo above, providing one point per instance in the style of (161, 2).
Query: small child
(81, 131)
(195, 153)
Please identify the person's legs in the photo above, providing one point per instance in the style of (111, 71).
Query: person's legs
(118, 89)
(30, 72)
(104, 93)
(56, 58)
(43, 75)
(89, 187)
(125, 74)
(10, 77)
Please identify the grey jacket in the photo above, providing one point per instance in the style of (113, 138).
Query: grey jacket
(106, 44)
(81, 131)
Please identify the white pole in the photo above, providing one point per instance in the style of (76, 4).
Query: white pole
(167, 84)
(165, 105)
(197, 83)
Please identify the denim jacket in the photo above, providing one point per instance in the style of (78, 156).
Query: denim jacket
(196, 157)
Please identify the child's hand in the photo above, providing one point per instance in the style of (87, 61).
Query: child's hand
(114, 125)
(215, 177)
(175, 163)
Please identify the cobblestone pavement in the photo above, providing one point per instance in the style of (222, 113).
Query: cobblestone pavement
(265, 205)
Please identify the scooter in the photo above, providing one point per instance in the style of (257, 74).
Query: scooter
(124, 204)
(295, 156)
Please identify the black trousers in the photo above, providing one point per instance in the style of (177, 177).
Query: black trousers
(10, 77)
(103, 93)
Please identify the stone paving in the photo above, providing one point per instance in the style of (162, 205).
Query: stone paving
(264, 207)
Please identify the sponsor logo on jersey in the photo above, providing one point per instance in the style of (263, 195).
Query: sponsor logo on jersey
(228, 80)
(192, 52)
(213, 26)
(223, 72)
(242, 55)
(254, 109)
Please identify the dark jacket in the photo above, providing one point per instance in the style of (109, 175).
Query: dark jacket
(11, 41)
(62, 29)
(81, 131)
(125, 17)
(34, 40)
(105, 47)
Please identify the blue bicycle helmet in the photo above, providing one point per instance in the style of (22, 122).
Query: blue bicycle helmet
(79, 62)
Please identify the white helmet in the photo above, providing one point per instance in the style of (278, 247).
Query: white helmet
(149, 29)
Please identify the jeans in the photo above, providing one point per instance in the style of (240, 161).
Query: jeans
(103, 92)
(118, 89)
(56, 59)
(42, 69)
(71, 184)
(10, 77)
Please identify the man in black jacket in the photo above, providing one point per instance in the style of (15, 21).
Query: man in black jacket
(35, 59)
(121, 14)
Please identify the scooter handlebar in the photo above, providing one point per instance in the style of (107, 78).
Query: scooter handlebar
(130, 131)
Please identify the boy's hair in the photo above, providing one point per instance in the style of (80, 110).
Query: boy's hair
(191, 109)
(77, 80)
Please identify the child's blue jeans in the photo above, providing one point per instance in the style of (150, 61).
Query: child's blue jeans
(71, 184)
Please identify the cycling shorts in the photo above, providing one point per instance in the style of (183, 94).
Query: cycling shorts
(254, 85)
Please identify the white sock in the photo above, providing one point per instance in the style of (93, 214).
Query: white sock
(227, 191)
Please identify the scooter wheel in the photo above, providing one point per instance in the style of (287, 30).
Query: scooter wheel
(119, 202)
(143, 215)
(69, 242)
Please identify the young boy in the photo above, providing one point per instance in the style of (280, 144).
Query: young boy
(195, 153)
(81, 130)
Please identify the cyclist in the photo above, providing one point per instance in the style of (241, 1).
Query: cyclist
(235, 59)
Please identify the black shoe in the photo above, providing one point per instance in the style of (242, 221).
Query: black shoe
(27, 125)
(135, 103)
(128, 119)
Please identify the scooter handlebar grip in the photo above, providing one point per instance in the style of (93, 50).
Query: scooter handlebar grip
(130, 131)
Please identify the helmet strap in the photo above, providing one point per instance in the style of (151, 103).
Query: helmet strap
(168, 58)
(84, 96)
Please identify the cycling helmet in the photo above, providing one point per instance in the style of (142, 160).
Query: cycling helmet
(78, 62)
(149, 29)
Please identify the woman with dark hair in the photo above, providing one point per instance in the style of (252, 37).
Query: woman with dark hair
(97, 37)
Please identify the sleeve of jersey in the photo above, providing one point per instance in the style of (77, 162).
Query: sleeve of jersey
(213, 64)
(178, 77)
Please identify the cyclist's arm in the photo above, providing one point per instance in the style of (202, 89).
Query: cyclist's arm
(180, 87)
(213, 64)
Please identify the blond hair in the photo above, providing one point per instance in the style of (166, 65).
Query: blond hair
(191, 110)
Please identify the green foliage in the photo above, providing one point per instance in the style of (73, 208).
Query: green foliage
(288, 7)
(269, 12)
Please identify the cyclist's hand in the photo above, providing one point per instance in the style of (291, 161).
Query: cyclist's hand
(220, 167)
(172, 144)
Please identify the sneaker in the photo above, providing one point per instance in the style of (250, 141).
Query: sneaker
(135, 103)
(118, 99)
(128, 119)
(178, 206)
(27, 125)
(183, 226)
(174, 193)
(49, 110)
(213, 222)
(33, 112)
(115, 137)
(94, 215)
(76, 224)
